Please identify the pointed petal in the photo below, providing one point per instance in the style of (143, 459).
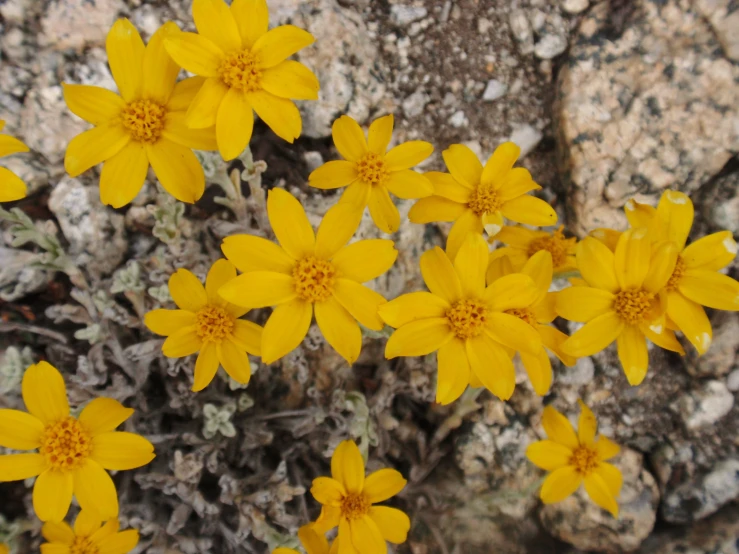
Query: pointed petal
(58, 532)
(408, 154)
(126, 57)
(510, 292)
(160, 70)
(328, 491)
(712, 252)
(349, 138)
(691, 319)
(182, 343)
(252, 19)
(596, 264)
(516, 183)
(202, 112)
(383, 210)
(291, 79)
(435, 208)
(195, 53)
(313, 542)
(463, 164)
(248, 336)
(17, 467)
(12, 187)
(548, 454)
(552, 338)
(513, 332)
(408, 184)
(285, 329)
(539, 369)
(446, 186)
(413, 306)
(596, 335)
(383, 484)
(94, 146)
(123, 175)
(102, 415)
(234, 360)
(206, 367)
(362, 303)
(558, 428)
(95, 105)
(492, 365)
(252, 253)
(290, 223)
(587, 425)
(632, 257)
(453, 371)
(187, 291)
(259, 289)
(333, 175)
(419, 338)
(336, 229)
(20, 430)
(560, 484)
(439, 275)
(339, 328)
(214, 20)
(632, 352)
(119, 450)
(95, 490)
(234, 123)
(675, 209)
(500, 163)
(606, 448)
(44, 393)
(347, 466)
(467, 223)
(711, 289)
(583, 303)
(52, 495)
(280, 43)
(380, 133)
(612, 476)
(471, 265)
(599, 493)
(392, 523)
(177, 169)
(530, 211)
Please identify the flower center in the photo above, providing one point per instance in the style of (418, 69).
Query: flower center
(484, 200)
(82, 545)
(467, 318)
(354, 506)
(372, 169)
(314, 279)
(633, 305)
(213, 323)
(557, 245)
(240, 70)
(584, 459)
(144, 120)
(65, 444)
(677, 274)
(523, 313)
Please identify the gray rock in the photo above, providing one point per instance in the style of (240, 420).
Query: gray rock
(494, 90)
(403, 15)
(458, 119)
(706, 405)
(17, 276)
(521, 30)
(732, 381)
(722, 355)
(550, 46)
(526, 137)
(575, 6)
(724, 18)
(78, 23)
(415, 103)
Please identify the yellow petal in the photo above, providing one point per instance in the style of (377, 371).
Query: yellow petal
(103, 414)
(519, 237)
(435, 208)
(608, 237)
(510, 292)
(46, 548)
(187, 291)
(612, 477)
(606, 448)
(20, 430)
(283, 550)
(123, 175)
(408, 154)
(184, 93)
(711, 289)
(596, 335)
(596, 264)
(119, 543)
(52, 495)
(553, 338)
(336, 229)
(587, 425)
(530, 211)
(95, 105)
(110, 528)
(539, 268)
(453, 371)
(539, 369)
(279, 44)
(513, 332)
(419, 338)
(119, 450)
(95, 490)
(383, 210)
(691, 319)
(501, 263)
(675, 210)
(252, 253)
(349, 138)
(313, 542)
(234, 123)
(357, 194)
(583, 303)
(126, 57)
(327, 519)
(347, 466)
(463, 164)
(214, 20)
(290, 224)
(248, 335)
(252, 19)
(11, 186)
(234, 360)
(332, 175)
(471, 265)
(339, 328)
(87, 523)
(285, 329)
(328, 491)
(467, 223)
(291, 79)
(560, 484)
(544, 311)
(632, 352)
(664, 339)
(631, 259)
(599, 493)
(57, 532)
(412, 306)
(500, 163)
(366, 536)
(11, 145)
(380, 133)
(383, 484)
(220, 273)
(408, 184)
(661, 267)
(446, 186)
(177, 130)
(362, 303)
(259, 289)
(177, 169)
(160, 70)
(548, 454)
(195, 53)
(516, 183)
(206, 367)
(639, 215)
(492, 365)
(203, 110)
(558, 428)
(392, 523)
(17, 467)
(344, 538)
(182, 343)
(93, 147)
(712, 252)
(44, 393)
(439, 275)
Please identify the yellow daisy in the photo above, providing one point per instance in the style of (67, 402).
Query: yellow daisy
(575, 459)
(348, 497)
(4, 549)
(73, 453)
(477, 197)
(11, 186)
(309, 274)
(370, 171)
(622, 301)
(143, 126)
(246, 70)
(522, 243)
(539, 314)
(312, 541)
(89, 536)
(471, 325)
(207, 324)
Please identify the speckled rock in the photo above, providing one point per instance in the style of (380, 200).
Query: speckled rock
(704, 405)
(724, 18)
(78, 23)
(634, 109)
(723, 356)
(17, 276)
(578, 521)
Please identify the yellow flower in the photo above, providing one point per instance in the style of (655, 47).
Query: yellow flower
(4, 549)
(245, 67)
(308, 273)
(89, 536)
(207, 324)
(574, 459)
(143, 126)
(622, 300)
(370, 171)
(477, 197)
(695, 281)
(348, 499)
(11, 186)
(73, 453)
(522, 243)
(539, 314)
(471, 325)
(312, 541)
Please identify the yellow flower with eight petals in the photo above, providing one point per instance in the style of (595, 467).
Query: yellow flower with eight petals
(477, 197)
(89, 536)
(575, 459)
(309, 273)
(369, 170)
(312, 541)
(348, 498)
(143, 126)
(246, 70)
(11, 186)
(73, 453)
(522, 243)
(472, 326)
(207, 324)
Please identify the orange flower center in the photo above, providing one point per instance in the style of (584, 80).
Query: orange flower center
(240, 70)
(523, 313)
(314, 279)
(82, 545)
(584, 459)
(213, 323)
(144, 120)
(484, 200)
(633, 305)
(372, 169)
(354, 506)
(557, 245)
(65, 444)
(467, 318)
(677, 274)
